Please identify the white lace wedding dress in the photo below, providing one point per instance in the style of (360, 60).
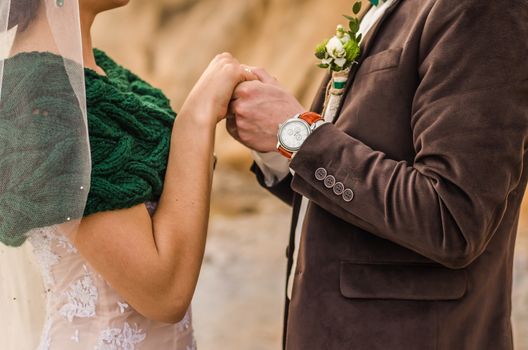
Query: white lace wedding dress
(85, 312)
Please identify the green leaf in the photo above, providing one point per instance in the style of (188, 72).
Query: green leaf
(336, 68)
(320, 50)
(356, 8)
(352, 50)
(324, 66)
(319, 55)
(350, 18)
(354, 25)
(359, 37)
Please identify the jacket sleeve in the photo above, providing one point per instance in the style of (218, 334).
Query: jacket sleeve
(470, 134)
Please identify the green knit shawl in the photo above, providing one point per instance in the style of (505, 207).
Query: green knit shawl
(41, 146)
(130, 125)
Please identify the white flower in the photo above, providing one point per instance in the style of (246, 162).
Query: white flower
(327, 60)
(335, 48)
(346, 38)
(340, 31)
(340, 62)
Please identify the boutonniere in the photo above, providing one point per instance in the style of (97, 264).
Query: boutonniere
(340, 52)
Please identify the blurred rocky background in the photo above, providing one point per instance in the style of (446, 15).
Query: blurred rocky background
(239, 302)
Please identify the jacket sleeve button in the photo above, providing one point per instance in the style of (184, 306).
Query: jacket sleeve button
(348, 195)
(329, 181)
(320, 174)
(339, 188)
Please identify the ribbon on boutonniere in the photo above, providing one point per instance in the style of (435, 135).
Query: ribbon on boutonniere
(338, 54)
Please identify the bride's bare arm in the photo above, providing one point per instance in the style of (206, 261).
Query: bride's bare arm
(154, 263)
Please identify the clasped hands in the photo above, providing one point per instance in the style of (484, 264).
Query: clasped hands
(253, 101)
(256, 110)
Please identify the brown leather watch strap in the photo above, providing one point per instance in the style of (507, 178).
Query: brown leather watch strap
(284, 152)
(310, 117)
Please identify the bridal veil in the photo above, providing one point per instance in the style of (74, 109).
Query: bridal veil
(44, 150)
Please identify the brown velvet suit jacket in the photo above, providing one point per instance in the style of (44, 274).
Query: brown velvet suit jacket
(432, 138)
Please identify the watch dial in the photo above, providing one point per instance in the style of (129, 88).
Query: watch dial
(293, 134)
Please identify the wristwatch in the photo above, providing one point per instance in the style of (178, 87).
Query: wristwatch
(293, 132)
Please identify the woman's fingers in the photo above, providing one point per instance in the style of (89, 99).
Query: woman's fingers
(220, 80)
(248, 73)
(227, 64)
(263, 76)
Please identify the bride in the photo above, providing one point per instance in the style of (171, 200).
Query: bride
(99, 178)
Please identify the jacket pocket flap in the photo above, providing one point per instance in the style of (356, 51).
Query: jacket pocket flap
(401, 281)
(382, 60)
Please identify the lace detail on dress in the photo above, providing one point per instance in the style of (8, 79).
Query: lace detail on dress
(41, 240)
(193, 345)
(75, 336)
(82, 298)
(122, 306)
(45, 341)
(85, 313)
(65, 243)
(120, 339)
(185, 324)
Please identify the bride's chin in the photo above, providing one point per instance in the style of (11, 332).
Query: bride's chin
(120, 3)
(112, 4)
(103, 5)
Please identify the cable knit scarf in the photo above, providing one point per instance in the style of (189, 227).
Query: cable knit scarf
(130, 125)
(42, 146)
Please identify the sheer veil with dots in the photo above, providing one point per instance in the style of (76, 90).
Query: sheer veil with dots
(44, 149)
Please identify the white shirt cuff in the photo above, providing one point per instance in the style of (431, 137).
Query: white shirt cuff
(274, 166)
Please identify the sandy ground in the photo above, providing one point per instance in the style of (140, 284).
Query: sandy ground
(239, 300)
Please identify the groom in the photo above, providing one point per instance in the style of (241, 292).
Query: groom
(405, 207)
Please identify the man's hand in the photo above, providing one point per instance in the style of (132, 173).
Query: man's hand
(257, 109)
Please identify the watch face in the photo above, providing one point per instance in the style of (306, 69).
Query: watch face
(293, 134)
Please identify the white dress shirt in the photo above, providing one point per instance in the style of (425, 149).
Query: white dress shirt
(275, 167)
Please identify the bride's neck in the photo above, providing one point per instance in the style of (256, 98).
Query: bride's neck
(87, 20)
(39, 37)
(36, 37)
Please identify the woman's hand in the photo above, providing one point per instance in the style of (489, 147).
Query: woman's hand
(210, 96)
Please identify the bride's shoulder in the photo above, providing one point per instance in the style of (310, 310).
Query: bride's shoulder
(38, 75)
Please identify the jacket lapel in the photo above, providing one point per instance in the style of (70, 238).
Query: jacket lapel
(366, 46)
